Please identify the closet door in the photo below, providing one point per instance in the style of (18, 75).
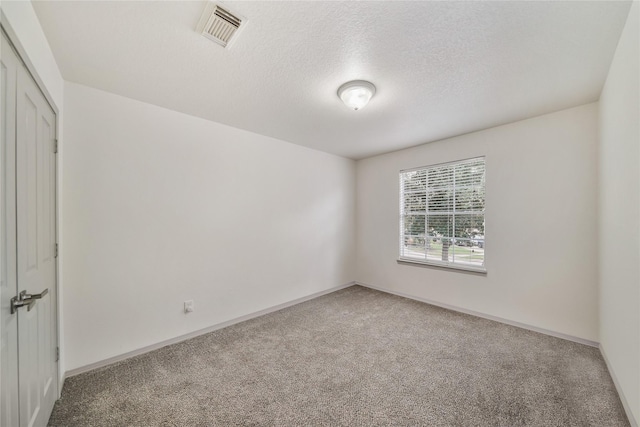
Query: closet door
(9, 64)
(36, 251)
(28, 278)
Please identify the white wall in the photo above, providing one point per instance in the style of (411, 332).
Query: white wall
(540, 223)
(24, 30)
(619, 202)
(162, 207)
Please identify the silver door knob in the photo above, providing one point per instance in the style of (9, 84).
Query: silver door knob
(24, 298)
(25, 295)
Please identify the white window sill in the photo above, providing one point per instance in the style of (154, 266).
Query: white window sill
(444, 265)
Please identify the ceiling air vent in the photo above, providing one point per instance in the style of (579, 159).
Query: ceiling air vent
(219, 25)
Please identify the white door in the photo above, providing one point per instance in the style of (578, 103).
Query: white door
(35, 249)
(9, 408)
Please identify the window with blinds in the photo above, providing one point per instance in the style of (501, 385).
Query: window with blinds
(442, 214)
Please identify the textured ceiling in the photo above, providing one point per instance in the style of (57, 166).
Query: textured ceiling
(441, 68)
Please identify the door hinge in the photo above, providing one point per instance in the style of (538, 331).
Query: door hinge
(57, 354)
(55, 251)
(55, 145)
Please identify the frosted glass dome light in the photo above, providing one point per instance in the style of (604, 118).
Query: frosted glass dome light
(356, 94)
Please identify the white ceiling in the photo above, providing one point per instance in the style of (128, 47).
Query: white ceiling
(441, 68)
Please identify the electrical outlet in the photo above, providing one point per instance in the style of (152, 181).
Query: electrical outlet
(188, 306)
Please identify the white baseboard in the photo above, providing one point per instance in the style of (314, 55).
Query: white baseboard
(623, 399)
(486, 316)
(194, 334)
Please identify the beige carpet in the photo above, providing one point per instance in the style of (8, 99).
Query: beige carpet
(356, 357)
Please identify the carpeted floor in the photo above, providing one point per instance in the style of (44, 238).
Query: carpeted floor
(356, 357)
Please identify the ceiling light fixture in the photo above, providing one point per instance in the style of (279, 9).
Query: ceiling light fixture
(356, 94)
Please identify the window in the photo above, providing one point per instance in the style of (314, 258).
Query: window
(442, 214)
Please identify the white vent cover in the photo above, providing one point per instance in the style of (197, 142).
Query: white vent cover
(219, 25)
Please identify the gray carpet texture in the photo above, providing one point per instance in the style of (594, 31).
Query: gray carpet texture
(355, 357)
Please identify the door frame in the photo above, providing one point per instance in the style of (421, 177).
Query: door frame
(13, 39)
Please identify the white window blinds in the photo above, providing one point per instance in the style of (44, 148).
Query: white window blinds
(442, 214)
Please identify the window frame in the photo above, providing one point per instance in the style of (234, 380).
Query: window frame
(482, 269)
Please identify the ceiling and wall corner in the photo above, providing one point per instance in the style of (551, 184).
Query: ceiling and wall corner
(441, 68)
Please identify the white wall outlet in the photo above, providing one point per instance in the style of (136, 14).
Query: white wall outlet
(188, 306)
